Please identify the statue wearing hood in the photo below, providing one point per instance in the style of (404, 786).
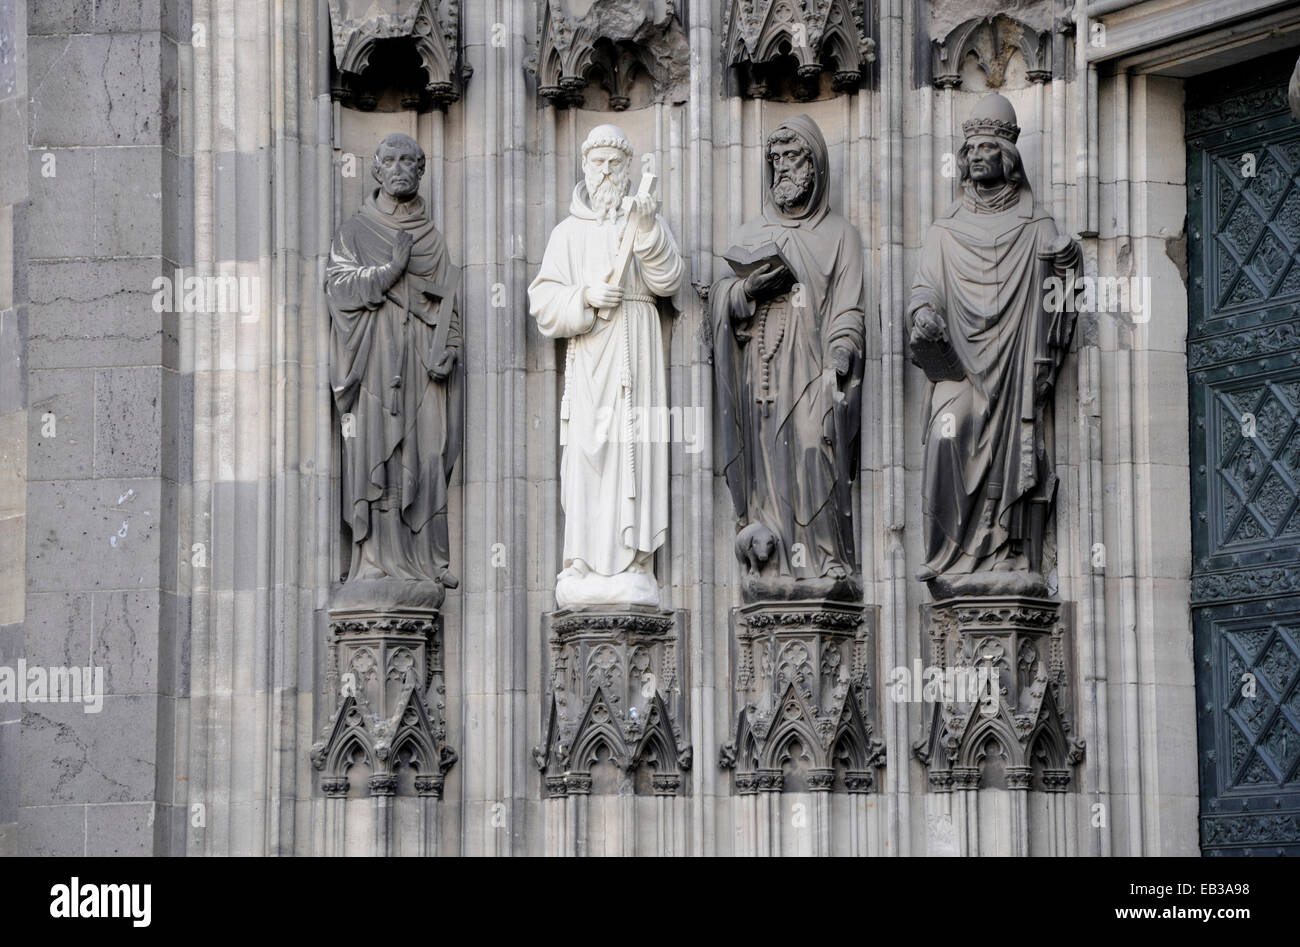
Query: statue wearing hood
(990, 321)
(614, 448)
(789, 332)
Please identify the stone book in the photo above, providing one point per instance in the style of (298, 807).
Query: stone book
(744, 261)
(938, 359)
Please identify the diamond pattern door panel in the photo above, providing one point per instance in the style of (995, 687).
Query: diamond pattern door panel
(1243, 353)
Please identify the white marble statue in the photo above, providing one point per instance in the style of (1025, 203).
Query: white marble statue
(614, 465)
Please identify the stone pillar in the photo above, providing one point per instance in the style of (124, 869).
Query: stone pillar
(616, 729)
(106, 436)
(806, 718)
(1002, 717)
(386, 674)
(13, 392)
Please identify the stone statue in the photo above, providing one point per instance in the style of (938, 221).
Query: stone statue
(395, 372)
(614, 465)
(990, 320)
(1293, 91)
(788, 332)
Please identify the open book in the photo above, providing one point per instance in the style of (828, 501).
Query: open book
(744, 261)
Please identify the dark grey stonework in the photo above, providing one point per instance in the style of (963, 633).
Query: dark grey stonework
(789, 338)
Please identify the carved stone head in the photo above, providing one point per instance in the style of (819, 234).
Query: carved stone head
(399, 165)
(607, 168)
(792, 170)
(989, 156)
(796, 168)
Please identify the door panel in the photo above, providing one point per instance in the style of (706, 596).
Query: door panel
(1243, 350)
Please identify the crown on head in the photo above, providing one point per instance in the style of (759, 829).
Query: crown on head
(992, 115)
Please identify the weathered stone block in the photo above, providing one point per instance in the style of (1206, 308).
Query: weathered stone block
(128, 201)
(120, 830)
(94, 89)
(126, 640)
(52, 830)
(94, 534)
(61, 425)
(128, 422)
(62, 184)
(70, 756)
(95, 312)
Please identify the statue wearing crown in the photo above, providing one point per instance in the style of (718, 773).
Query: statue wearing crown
(991, 336)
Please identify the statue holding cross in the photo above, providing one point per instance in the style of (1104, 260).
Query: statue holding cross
(606, 266)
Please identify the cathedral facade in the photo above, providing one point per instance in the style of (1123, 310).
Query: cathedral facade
(297, 300)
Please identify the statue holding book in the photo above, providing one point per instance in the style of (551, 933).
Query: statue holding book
(990, 322)
(788, 329)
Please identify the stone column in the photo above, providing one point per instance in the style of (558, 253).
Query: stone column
(806, 719)
(1002, 717)
(615, 726)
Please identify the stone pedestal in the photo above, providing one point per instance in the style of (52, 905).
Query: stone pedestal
(386, 677)
(806, 722)
(1000, 686)
(616, 727)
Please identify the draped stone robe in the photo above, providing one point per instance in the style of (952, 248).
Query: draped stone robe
(614, 463)
(789, 461)
(988, 445)
(405, 431)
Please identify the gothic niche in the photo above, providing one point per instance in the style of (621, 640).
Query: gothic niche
(391, 55)
(796, 50)
(610, 55)
(989, 43)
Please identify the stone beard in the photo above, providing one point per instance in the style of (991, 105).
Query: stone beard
(394, 369)
(788, 375)
(613, 467)
(989, 480)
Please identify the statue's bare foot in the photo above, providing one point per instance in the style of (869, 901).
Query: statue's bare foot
(837, 571)
(448, 580)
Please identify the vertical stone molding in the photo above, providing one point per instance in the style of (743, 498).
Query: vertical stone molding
(781, 48)
(1000, 685)
(615, 725)
(411, 46)
(806, 722)
(992, 41)
(386, 679)
(614, 43)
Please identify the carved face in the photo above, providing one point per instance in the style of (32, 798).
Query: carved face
(608, 174)
(985, 157)
(792, 174)
(764, 546)
(398, 168)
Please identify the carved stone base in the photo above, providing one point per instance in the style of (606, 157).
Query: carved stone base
(385, 677)
(617, 710)
(1019, 736)
(803, 685)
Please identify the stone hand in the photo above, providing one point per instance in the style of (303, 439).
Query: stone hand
(402, 251)
(928, 327)
(1063, 248)
(645, 209)
(841, 358)
(602, 295)
(768, 281)
(446, 365)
